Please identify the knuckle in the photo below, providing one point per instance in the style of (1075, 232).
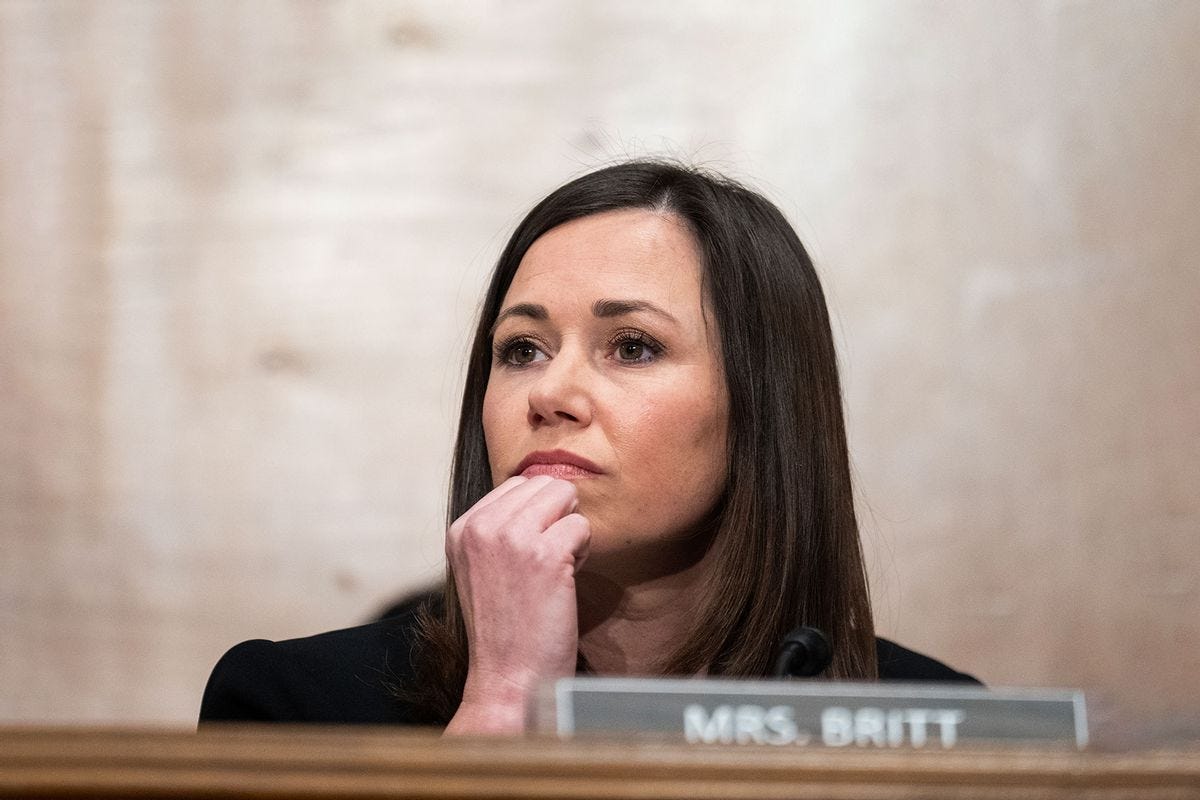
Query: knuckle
(545, 557)
(475, 528)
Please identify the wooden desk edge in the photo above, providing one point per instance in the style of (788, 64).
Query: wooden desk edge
(280, 761)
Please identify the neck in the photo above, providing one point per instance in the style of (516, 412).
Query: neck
(630, 623)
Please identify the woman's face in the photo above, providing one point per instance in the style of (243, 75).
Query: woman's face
(606, 372)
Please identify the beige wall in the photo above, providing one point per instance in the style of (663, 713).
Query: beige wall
(241, 243)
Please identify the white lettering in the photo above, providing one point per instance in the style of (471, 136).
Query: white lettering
(700, 726)
(837, 727)
(895, 727)
(917, 717)
(947, 721)
(748, 724)
(780, 723)
(863, 727)
(868, 727)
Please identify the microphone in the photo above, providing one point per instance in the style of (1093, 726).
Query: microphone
(804, 653)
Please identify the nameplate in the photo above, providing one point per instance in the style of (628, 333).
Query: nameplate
(808, 713)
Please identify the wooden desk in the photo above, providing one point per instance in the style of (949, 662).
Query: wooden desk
(277, 762)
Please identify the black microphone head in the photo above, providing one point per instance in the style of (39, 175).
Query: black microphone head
(804, 652)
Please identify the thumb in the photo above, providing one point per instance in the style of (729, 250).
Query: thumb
(575, 533)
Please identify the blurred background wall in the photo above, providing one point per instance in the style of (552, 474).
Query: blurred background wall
(241, 245)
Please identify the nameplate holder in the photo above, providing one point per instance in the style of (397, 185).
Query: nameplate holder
(811, 713)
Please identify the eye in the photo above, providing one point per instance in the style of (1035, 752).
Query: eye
(635, 347)
(519, 352)
(631, 350)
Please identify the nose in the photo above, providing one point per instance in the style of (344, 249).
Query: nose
(561, 393)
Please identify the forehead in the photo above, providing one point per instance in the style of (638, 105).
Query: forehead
(628, 253)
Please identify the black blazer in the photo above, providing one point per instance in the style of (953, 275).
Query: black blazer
(347, 676)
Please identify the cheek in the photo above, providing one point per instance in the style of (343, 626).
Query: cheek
(490, 413)
(497, 422)
(489, 416)
(679, 438)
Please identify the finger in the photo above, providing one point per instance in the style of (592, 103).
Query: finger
(538, 503)
(575, 532)
(498, 492)
(489, 498)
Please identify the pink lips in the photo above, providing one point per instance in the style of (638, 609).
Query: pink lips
(556, 464)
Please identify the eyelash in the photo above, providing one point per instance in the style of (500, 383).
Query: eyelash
(628, 335)
(504, 350)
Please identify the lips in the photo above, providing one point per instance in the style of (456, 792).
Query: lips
(557, 464)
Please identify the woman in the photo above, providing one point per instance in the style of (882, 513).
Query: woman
(650, 476)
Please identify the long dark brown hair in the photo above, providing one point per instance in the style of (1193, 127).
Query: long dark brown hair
(786, 545)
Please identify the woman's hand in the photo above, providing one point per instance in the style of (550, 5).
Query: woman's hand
(515, 555)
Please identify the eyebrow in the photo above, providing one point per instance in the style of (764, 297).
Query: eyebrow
(530, 310)
(619, 308)
(603, 309)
